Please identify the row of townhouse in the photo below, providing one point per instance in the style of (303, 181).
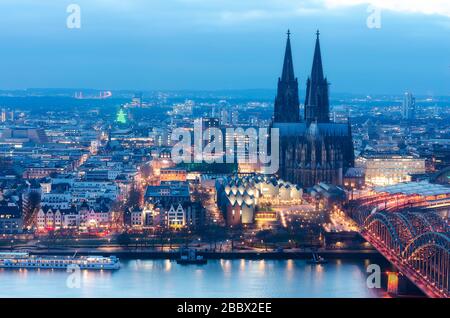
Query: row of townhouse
(187, 214)
(84, 217)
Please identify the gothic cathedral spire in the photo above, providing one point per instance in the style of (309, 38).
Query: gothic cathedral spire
(287, 101)
(317, 107)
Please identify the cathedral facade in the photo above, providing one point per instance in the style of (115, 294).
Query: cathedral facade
(312, 148)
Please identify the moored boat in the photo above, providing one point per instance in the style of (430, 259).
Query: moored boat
(25, 260)
(316, 259)
(190, 256)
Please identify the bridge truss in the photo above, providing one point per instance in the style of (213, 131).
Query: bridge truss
(416, 242)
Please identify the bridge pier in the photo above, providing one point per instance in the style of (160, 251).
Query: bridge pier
(399, 285)
(392, 283)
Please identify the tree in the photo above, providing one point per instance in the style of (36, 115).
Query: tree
(199, 195)
(234, 234)
(213, 234)
(146, 171)
(135, 197)
(32, 207)
(124, 239)
(263, 236)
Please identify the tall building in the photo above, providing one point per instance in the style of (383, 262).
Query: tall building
(312, 150)
(235, 117)
(208, 124)
(136, 101)
(409, 106)
(3, 116)
(224, 117)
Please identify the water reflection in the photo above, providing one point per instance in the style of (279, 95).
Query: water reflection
(218, 278)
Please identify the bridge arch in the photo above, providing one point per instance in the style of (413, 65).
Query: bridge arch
(419, 222)
(405, 230)
(429, 256)
(381, 225)
(361, 214)
(436, 222)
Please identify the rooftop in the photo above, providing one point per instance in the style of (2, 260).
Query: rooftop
(423, 188)
(324, 129)
(168, 189)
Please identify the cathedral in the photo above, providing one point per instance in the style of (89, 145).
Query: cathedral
(313, 149)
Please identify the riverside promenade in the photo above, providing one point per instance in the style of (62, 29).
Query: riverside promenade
(172, 253)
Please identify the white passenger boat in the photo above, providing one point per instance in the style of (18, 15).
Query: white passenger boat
(25, 260)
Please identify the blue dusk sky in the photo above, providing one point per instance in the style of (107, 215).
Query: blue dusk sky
(225, 44)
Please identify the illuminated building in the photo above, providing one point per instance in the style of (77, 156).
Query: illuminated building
(91, 191)
(385, 168)
(140, 218)
(102, 174)
(176, 217)
(189, 214)
(56, 200)
(208, 124)
(408, 195)
(136, 101)
(238, 197)
(49, 219)
(224, 117)
(409, 106)
(3, 116)
(10, 218)
(265, 218)
(37, 172)
(184, 109)
(312, 149)
(235, 117)
(168, 193)
(134, 217)
(354, 178)
(93, 218)
(173, 174)
(327, 194)
(20, 135)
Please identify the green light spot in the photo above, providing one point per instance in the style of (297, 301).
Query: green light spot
(121, 117)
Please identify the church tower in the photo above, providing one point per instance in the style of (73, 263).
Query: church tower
(314, 150)
(287, 103)
(317, 107)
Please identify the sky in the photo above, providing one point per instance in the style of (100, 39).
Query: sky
(225, 44)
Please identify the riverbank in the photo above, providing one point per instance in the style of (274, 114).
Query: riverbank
(143, 253)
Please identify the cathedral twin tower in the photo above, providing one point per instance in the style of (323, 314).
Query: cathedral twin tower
(287, 100)
(312, 149)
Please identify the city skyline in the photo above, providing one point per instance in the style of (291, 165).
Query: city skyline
(225, 149)
(190, 45)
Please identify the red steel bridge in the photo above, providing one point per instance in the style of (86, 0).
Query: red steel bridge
(416, 242)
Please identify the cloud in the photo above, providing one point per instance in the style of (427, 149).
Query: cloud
(428, 7)
(241, 11)
(214, 12)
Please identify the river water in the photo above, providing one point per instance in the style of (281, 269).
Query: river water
(218, 278)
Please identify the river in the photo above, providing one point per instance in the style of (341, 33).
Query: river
(218, 278)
